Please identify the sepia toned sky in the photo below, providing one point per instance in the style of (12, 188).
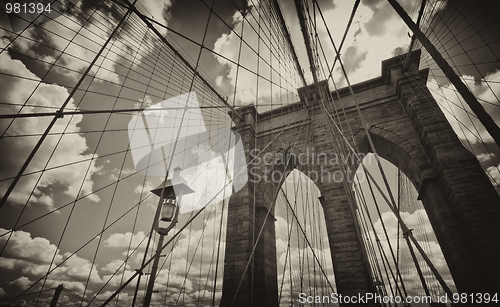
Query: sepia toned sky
(52, 237)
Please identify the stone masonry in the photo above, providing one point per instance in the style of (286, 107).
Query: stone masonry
(409, 130)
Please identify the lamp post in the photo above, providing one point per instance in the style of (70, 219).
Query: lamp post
(167, 206)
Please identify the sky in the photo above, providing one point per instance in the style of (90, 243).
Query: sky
(122, 78)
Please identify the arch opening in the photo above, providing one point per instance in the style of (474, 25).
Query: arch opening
(378, 222)
(304, 262)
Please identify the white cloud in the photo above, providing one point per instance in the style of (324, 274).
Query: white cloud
(270, 66)
(124, 297)
(116, 280)
(70, 149)
(159, 11)
(32, 258)
(73, 286)
(124, 172)
(144, 189)
(375, 24)
(77, 269)
(172, 271)
(362, 61)
(291, 265)
(452, 105)
(22, 247)
(422, 231)
(467, 127)
(77, 55)
(144, 103)
(119, 240)
(87, 39)
(22, 282)
(495, 174)
(416, 220)
(116, 265)
(484, 157)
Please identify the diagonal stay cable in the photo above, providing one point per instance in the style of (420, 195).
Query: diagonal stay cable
(87, 243)
(190, 220)
(307, 240)
(267, 214)
(120, 179)
(55, 118)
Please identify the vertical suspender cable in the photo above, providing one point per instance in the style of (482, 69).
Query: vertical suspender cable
(471, 100)
(412, 43)
(417, 244)
(415, 260)
(59, 112)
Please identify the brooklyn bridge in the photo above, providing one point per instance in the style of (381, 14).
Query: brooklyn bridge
(249, 153)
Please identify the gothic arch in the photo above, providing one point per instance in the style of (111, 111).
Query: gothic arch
(408, 129)
(397, 150)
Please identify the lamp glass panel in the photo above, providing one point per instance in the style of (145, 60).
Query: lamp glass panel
(168, 209)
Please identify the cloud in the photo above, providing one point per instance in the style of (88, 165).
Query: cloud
(159, 10)
(353, 58)
(416, 220)
(124, 172)
(423, 232)
(145, 188)
(375, 32)
(484, 157)
(495, 174)
(366, 45)
(73, 286)
(292, 268)
(144, 103)
(467, 127)
(240, 82)
(486, 91)
(115, 281)
(77, 269)
(21, 283)
(31, 258)
(119, 240)
(124, 298)
(78, 54)
(195, 249)
(115, 266)
(80, 40)
(22, 247)
(18, 91)
(382, 13)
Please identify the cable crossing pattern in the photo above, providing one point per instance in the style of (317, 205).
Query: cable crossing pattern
(77, 211)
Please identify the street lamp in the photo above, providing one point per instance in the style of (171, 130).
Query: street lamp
(167, 206)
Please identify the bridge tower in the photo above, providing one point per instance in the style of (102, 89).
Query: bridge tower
(409, 130)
